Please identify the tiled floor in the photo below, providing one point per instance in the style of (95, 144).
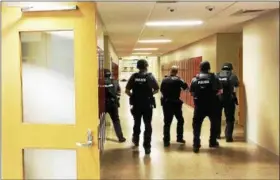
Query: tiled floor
(238, 160)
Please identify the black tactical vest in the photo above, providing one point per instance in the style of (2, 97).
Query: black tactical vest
(110, 91)
(204, 88)
(173, 88)
(224, 78)
(141, 90)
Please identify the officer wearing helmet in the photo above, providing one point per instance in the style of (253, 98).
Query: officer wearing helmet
(204, 88)
(228, 99)
(141, 87)
(112, 93)
(170, 88)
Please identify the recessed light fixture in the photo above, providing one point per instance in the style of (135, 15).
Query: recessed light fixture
(145, 49)
(141, 53)
(155, 41)
(41, 7)
(174, 23)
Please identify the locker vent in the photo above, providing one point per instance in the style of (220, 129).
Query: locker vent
(252, 12)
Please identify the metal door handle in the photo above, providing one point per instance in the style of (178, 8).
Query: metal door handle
(89, 142)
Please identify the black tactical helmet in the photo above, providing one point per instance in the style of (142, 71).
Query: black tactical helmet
(205, 66)
(107, 73)
(142, 64)
(227, 66)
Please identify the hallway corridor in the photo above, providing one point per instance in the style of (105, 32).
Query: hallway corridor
(238, 160)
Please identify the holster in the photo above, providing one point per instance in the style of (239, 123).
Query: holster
(235, 99)
(162, 101)
(154, 102)
(118, 102)
(131, 100)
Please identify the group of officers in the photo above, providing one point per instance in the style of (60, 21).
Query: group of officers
(211, 94)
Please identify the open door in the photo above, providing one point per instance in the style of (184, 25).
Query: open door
(49, 94)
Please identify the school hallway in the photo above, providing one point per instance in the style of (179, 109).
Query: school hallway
(238, 160)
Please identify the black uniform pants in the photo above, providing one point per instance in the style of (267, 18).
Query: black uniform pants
(200, 112)
(113, 111)
(171, 109)
(229, 109)
(146, 112)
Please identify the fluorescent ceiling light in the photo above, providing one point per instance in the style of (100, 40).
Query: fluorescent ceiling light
(145, 49)
(155, 41)
(174, 23)
(36, 8)
(141, 53)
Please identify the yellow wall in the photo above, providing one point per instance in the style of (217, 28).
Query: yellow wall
(261, 80)
(205, 48)
(228, 45)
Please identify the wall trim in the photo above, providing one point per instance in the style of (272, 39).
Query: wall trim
(249, 141)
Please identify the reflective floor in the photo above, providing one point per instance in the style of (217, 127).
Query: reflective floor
(238, 160)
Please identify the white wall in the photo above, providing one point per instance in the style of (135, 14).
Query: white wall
(99, 34)
(128, 61)
(261, 80)
(113, 54)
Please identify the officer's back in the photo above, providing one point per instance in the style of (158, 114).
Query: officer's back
(111, 89)
(228, 80)
(172, 85)
(143, 86)
(204, 87)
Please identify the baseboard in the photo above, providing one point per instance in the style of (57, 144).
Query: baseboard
(262, 148)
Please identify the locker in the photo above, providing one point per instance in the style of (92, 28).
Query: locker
(180, 69)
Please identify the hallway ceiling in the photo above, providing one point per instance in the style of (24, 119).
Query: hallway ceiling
(125, 22)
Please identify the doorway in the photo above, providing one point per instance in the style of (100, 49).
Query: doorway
(49, 83)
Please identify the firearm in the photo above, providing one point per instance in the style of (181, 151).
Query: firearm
(235, 99)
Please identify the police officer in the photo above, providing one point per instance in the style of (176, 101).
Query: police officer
(112, 93)
(170, 88)
(143, 86)
(229, 82)
(204, 88)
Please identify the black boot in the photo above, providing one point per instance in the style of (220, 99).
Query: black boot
(122, 140)
(147, 151)
(135, 142)
(214, 144)
(166, 144)
(196, 148)
(229, 139)
(181, 141)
